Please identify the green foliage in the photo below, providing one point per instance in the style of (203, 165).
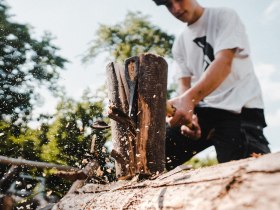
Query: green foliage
(25, 63)
(57, 185)
(69, 136)
(8, 144)
(18, 141)
(64, 138)
(202, 162)
(131, 37)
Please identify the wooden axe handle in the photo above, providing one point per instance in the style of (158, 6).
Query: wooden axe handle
(170, 109)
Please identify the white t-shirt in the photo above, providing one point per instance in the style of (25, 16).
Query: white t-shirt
(218, 29)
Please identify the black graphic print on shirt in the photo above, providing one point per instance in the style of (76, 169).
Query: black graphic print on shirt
(207, 51)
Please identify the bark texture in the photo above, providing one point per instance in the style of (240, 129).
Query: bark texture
(121, 137)
(152, 88)
(137, 92)
(252, 183)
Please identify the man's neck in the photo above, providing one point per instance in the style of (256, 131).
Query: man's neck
(197, 14)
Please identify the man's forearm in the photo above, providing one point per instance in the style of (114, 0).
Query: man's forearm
(212, 78)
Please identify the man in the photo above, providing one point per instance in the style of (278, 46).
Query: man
(220, 97)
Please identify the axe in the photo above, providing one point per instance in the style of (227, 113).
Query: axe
(132, 81)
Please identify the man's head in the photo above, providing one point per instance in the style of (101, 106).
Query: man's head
(161, 2)
(187, 11)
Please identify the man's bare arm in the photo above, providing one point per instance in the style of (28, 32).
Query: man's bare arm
(212, 78)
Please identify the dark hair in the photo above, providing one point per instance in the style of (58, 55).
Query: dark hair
(160, 2)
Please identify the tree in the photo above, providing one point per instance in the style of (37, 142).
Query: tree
(130, 37)
(71, 132)
(25, 63)
(68, 138)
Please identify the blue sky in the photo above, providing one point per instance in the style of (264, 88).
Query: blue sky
(74, 22)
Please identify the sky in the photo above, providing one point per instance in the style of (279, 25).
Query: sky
(73, 23)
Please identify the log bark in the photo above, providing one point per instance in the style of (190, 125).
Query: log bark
(121, 137)
(252, 183)
(152, 91)
(137, 92)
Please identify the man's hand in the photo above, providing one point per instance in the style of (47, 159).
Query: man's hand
(194, 132)
(184, 117)
(184, 111)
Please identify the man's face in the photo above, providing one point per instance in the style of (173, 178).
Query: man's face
(183, 10)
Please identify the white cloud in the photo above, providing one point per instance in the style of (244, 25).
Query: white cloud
(273, 119)
(269, 79)
(267, 74)
(272, 11)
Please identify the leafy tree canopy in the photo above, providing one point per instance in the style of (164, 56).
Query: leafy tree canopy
(130, 37)
(25, 63)
(68, 137)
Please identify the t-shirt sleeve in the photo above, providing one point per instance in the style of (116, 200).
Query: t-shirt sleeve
(231, 34)
(180, 59)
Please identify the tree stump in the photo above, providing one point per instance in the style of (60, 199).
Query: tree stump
(137, 92)
(152, 91)
(122, 139)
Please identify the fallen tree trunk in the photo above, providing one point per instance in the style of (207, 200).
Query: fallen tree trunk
(34, 164)
(252, 183)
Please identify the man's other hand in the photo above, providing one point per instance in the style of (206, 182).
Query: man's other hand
(193, 131)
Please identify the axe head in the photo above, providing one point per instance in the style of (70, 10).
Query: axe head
(131, 74)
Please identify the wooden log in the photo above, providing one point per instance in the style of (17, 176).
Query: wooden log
(122, 139)
(119, 116)
(252, 183)
(152, 91)
(89, 171)
(34, 164)
(138, 94)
